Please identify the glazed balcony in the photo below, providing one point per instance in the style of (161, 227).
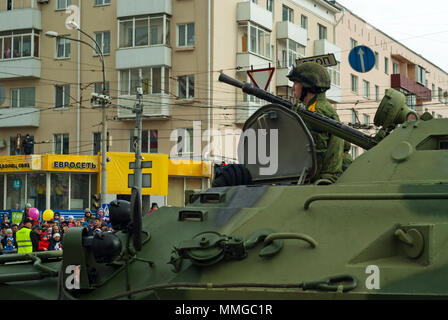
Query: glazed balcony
(126, 8)
(23, 14)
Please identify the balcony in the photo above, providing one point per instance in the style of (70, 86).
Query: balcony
(282, 80)
(248, 11)
(324, 46)
(19, 117)
(18, 68)
(24, 15)
(399, 81)
(136, 57)
(126, 8)
(154, 106)
(288, 30)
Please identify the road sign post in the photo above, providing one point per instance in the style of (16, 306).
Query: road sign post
(361, 59)
(261, 77)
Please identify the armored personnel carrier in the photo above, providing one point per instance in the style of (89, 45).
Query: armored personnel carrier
(379, 232)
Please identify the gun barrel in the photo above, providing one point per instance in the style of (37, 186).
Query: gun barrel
(311, 118)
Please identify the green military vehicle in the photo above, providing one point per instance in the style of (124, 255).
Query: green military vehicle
(264, 232)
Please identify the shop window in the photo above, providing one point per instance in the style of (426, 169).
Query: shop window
(15, 191)
(2, 188)
(59, 191)
(36, 189)
(79, 197)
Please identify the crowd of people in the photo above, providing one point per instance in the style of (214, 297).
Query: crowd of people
(36, 235)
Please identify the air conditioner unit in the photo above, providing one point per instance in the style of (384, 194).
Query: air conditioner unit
(43, 1)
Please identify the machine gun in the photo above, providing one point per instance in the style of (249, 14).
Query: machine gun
(392, 111)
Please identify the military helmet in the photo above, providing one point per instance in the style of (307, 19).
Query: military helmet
(311, 75)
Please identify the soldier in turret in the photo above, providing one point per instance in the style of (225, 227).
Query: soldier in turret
(311, 81)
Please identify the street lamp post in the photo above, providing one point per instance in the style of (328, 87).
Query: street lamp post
(104, 99)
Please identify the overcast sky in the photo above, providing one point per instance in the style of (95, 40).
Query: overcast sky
(422, 26)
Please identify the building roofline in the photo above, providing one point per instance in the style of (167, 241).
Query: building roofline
(417, 54)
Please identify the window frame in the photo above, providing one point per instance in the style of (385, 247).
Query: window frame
(65, 96)
(324, 34)
(187, 87)
(20, 98)
(104, 3)
(163, 81)
(101, 43)
(166, 30)
(354, 83)
(289, 14)
(57, 41)
(65, 137)
(304, 22)
(187, 26)
(67, 4)
(366, 89)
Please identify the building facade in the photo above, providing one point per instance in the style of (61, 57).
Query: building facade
(423, 83)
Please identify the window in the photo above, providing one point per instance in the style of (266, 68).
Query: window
(289, 51)
(386, 65)
(155, 80)
(184, 141)
(395, 68)
(353, 43)
(103, 39)
(433, 90)
(253, 39)
(440, 95)
(366, 119)
(354, 151)
(377, 59)
(97, 142)
(377, 93)
(61, 143)
(354, 83)
(287, 14)
(19, 44)
(135, 32)
(304, 22)
(420, 75)
(365, 89)
(59, 187)
(335, 74)
(62, 94)
(9, 5)
(63, 4)
(411, 101)
(150, 141)
(62, 48)
(322, 31)
(23, 97)
(79, 191)
(185, 35)
(101, 2)
(186, 87)
(269, 6)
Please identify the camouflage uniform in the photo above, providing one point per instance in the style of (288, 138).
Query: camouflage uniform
(329, 148)
(346, 157)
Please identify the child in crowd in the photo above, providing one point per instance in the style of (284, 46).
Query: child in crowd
(9, 248)
(44, 243)
(56, 218)
(71, 221)
(56, 244)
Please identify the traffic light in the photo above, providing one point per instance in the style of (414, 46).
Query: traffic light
(96, 201)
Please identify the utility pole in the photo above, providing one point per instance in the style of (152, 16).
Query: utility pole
(138, 110)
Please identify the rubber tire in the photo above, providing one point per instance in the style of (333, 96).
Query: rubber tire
(232, 175)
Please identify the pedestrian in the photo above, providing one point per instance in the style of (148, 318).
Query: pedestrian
(56, 243)
(28, 143)
(44, 243)
(26, 214)
(71, 222)
(18, 144)
(23, 238)
(154, 207)
(36, 237)
(9, 248)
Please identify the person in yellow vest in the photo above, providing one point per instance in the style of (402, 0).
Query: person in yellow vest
(23, 238)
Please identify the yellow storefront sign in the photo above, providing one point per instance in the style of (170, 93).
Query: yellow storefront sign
(118, 171)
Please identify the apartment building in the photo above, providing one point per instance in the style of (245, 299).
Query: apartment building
(423, 83)
(178, 47)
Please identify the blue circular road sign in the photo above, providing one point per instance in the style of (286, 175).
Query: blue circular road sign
(361, 58)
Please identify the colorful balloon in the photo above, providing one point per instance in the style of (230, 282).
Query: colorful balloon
(48, 215)
(34, 213)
